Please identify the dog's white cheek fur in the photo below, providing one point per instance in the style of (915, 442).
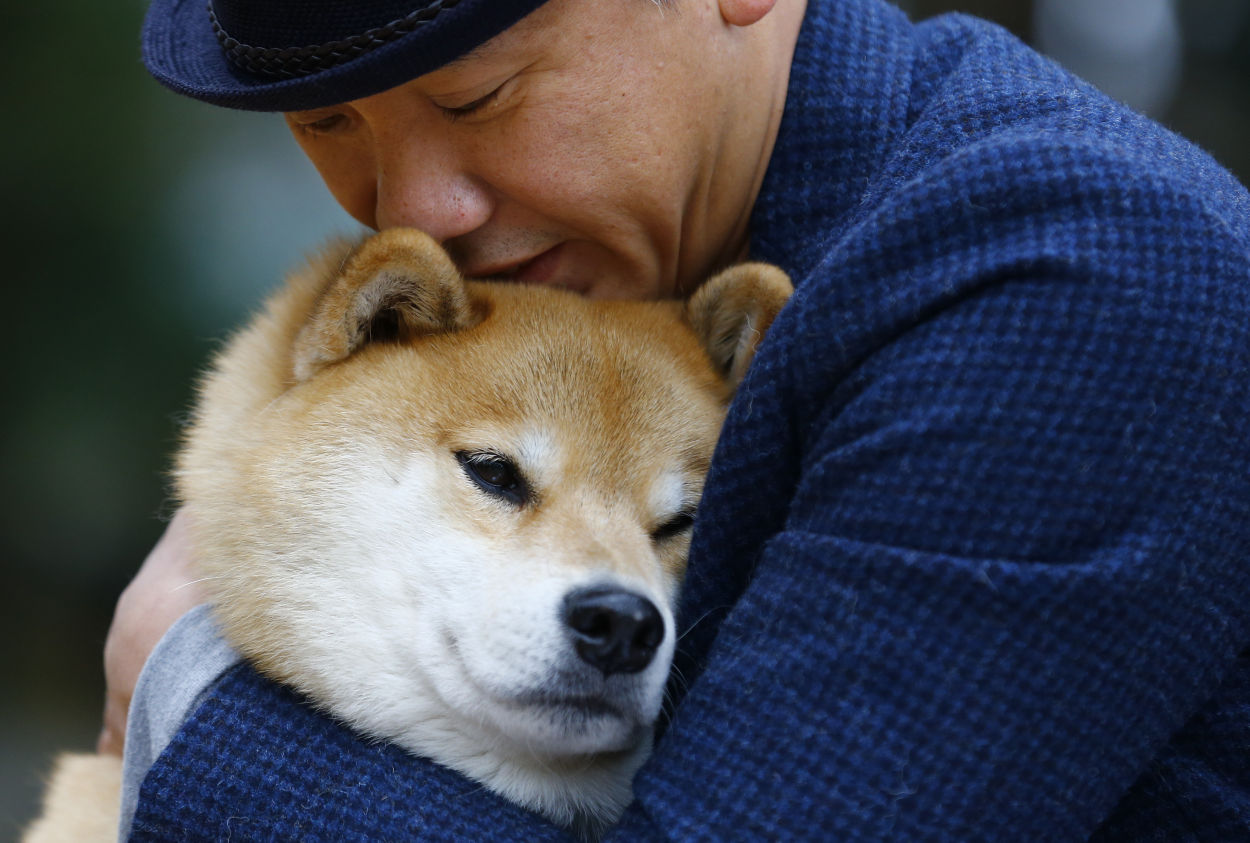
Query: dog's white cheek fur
(362, 596)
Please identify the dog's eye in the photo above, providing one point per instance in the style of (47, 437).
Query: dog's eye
(495, 474)
(679, 523)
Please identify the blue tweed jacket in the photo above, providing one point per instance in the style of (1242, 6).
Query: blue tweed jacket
(974, 560)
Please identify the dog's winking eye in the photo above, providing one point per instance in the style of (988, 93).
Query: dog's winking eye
(679, 523)
(495, 475)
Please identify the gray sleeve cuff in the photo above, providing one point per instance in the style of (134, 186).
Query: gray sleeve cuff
(181, 669)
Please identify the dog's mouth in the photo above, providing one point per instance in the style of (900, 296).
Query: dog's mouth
(564, 716)
(589, 706)
(557, 706)
(578, 725)
(570, 695)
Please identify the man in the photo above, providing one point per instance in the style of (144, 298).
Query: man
(970, 564)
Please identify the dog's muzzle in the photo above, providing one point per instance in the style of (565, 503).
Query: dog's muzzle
(612, 629)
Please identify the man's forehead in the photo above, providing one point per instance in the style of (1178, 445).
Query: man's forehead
(485, 50)
(500, 45)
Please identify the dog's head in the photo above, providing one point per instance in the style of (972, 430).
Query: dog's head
(457, 514)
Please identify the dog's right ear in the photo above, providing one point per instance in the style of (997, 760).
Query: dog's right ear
(732, 311)
(396, 285)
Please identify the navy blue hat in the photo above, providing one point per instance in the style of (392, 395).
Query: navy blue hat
(292, 55)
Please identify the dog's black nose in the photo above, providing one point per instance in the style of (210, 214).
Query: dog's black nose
(612, 629)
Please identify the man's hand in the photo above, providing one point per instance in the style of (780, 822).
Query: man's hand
(162, 591)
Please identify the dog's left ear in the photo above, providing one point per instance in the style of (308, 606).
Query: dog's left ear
(732, 312)
(396, 285)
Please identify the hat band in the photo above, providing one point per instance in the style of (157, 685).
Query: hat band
(291, 62)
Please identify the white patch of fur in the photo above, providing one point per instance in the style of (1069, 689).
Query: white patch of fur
(669, 495)
(538, 449)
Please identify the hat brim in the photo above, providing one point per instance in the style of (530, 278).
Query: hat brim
(181, 51)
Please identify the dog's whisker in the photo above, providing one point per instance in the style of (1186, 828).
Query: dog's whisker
(701, 619)
(193, 582)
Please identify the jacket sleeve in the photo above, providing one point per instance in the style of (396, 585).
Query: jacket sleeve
(1012, 562)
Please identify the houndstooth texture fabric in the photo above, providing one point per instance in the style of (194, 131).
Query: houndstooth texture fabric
(974, 558)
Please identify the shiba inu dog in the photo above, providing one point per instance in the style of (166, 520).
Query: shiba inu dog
(456, 514)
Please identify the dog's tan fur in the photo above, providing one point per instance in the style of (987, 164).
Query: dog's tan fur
(81, 802)
(379, 358)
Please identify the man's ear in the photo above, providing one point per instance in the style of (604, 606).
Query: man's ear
(396, 285)
(744, 12)
(732, 312)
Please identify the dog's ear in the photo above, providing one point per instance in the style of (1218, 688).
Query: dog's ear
(396, 285)
(732, 312)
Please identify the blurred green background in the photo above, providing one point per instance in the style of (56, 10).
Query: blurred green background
(139, 228)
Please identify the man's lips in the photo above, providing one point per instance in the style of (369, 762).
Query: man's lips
(542, 268)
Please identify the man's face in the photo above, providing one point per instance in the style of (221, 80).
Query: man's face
(600, 146)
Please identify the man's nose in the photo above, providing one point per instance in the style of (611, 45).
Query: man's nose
(423, 187)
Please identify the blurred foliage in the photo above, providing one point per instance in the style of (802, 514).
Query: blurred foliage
(138, 228)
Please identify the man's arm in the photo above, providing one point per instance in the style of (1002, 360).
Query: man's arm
(183, 667)
(162, 591)
(1014, 567)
